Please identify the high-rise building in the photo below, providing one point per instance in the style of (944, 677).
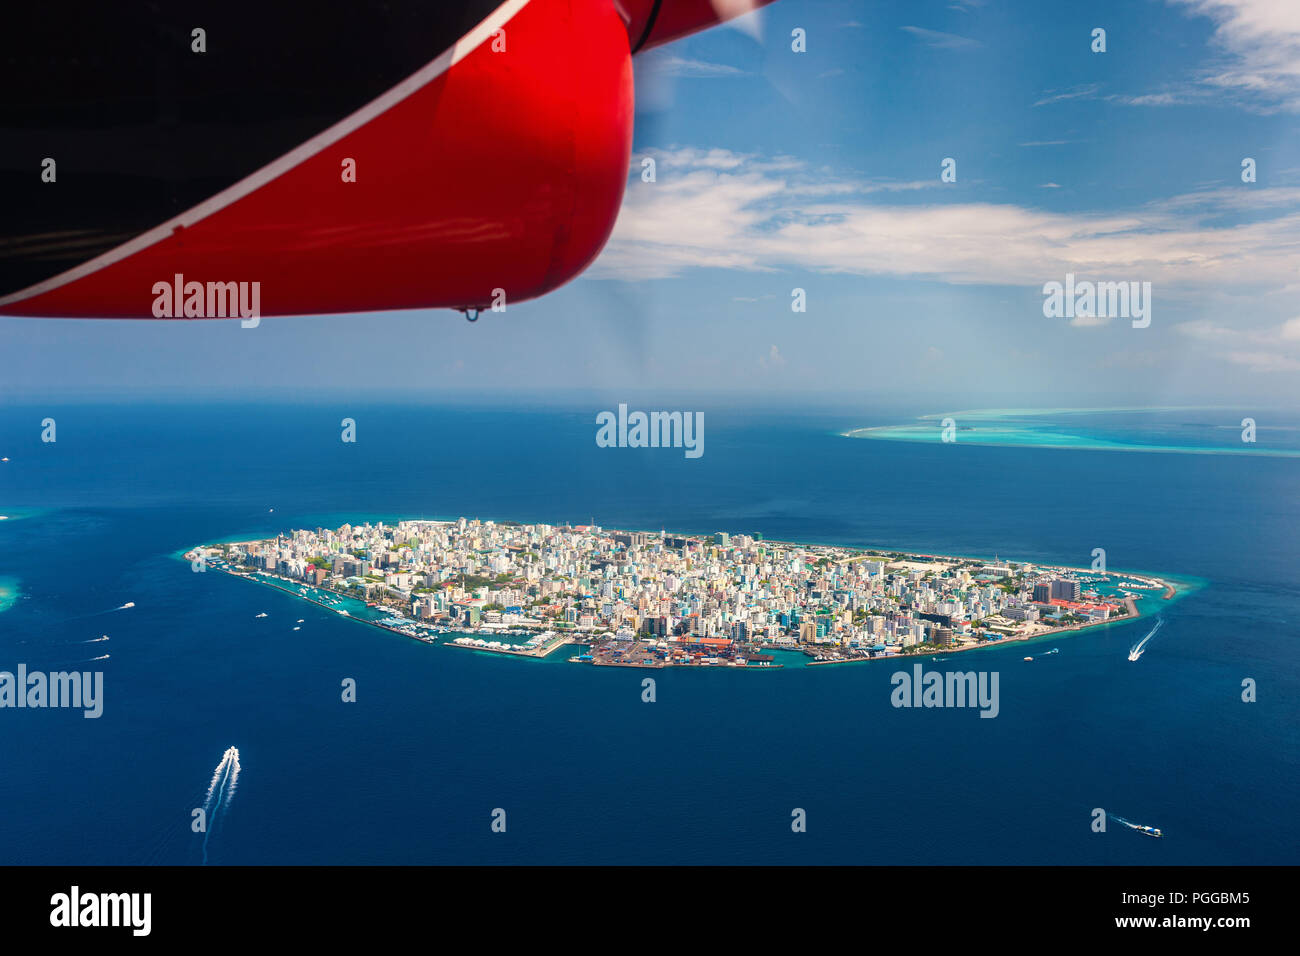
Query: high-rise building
(1063, 590)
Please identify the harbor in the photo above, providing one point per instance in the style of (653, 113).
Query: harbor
(542, 645)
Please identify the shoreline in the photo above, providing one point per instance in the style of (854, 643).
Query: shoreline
(323, 605)
(1171, 593)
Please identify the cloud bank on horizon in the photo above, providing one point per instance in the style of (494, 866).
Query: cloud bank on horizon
(720, 209)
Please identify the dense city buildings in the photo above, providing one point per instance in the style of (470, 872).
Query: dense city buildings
(644, 598)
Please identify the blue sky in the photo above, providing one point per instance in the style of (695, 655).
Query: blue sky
(821, 170)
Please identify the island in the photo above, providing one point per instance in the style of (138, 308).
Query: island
(661, 599)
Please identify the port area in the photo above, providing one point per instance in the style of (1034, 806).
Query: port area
(542, 645)
(612, 652)
(659, 654)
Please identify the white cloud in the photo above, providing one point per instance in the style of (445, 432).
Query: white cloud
(1092, 91)
(1264, 361)
(1086, 91)
(1257, 60)
(1260, 40)
(667, 64)
(941, 41)
(1203, 329)
(1275, 349)
(1147, 99)
(729, 210)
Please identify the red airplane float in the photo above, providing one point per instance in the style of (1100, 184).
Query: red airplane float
(375, 156)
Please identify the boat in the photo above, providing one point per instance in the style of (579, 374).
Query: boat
(1149, 831)
(263, 614)
(1029, 658)
(1138, 649)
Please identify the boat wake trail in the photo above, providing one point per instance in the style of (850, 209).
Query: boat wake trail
(84, 660)
(112, 610)
(1138, 649)
(220, 792)
(93, 640)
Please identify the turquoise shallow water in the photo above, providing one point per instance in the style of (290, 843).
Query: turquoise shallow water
(1177, 431)
(8, 593)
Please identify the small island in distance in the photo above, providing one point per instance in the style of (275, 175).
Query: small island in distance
(1173, 430)
(658, 599)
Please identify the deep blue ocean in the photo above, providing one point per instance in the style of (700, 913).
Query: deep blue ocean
(587, 772)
